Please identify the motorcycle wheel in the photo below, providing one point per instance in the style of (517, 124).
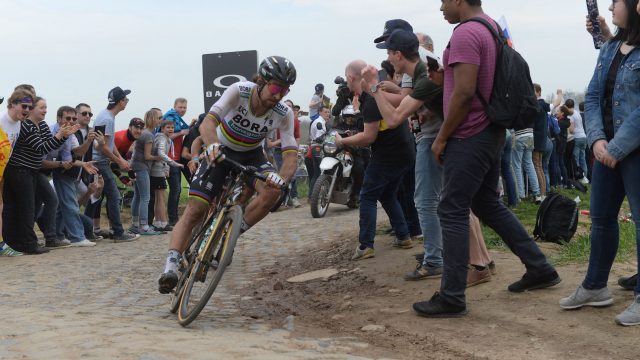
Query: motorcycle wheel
(320, 196)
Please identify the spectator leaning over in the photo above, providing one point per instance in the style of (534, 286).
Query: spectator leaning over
(426, 80)
(141, 162)
(10, 122)
(160, 171)
(580, 141)
(542, 146)
(612, 111)
(107, 153)
(316, 102)
(32, 144)
(392, 155)
(175, 114)
(471, 166)
(64, 181)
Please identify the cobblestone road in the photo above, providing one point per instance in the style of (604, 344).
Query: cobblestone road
(102, 302)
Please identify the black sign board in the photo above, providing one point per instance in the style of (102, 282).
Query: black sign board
(221, 70)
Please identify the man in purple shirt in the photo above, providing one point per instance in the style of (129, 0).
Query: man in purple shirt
(468, 146)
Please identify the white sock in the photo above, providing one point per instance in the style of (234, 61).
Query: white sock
(172, 261)
(244, 226)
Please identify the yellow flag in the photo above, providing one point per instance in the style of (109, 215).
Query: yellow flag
(5, 151)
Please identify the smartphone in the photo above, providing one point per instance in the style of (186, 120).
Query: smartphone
(382, 75)
(592, 11)
(100, 128)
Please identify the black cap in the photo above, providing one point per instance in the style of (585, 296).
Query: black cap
(116, 94)
(136, 122)
(319, 87)
(392, 25)
(1, 100)
(401, 40)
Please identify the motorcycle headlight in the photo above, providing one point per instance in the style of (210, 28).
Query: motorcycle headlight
(330, 149)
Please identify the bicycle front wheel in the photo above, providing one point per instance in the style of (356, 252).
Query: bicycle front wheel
(206, 274)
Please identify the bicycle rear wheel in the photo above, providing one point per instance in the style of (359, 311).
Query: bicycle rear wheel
(205, 275)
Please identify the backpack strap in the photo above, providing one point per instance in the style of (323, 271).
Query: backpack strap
(497, 35)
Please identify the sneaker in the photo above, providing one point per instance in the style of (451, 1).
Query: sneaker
(134, 229)
(584, 297)
(295, 202)
(539, 199)
(363, 254)
(95, 238)
(631, 315)
(402, 244)
(419, 257)
(417, 238)
(57, 243)
(166, 228)
(476, 277)
(105, 234)
(628, 283)
(584, 180)
(125, 237)
(167, 282)
(532, 283)
(492, 267)
(424, 272)
(83, 243)
(436, 307)
(7, 251)
(150, 232)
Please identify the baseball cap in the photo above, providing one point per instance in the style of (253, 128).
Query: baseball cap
(392, 25)
(116, 94)
(137, 122)
(400, 40)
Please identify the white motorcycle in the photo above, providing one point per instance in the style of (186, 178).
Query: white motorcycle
(334, 184)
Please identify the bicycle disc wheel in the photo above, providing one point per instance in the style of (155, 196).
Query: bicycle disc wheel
(205, 276)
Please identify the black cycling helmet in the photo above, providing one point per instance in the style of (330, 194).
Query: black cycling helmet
(277, 68)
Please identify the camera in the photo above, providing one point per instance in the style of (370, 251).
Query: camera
(343, 89)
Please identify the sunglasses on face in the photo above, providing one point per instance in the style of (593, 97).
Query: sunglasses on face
(87, 113)
(27, 107)
(275, 89)
(69, 118)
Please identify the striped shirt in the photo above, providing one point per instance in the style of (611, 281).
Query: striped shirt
(33, 143)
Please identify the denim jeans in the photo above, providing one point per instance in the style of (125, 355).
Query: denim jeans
(522, 158)
(426, 197)
(406, 192)
(608, 189)
(141, 196)
(381, 181)
(175, 187)
(546, 157)
(112, 194)
(277, 155)
(507, 172)
(68, 215)
(46, 207)
(579, 153)
(87, 224)
(471, 172)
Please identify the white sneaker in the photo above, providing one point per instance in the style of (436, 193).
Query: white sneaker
(83, 243)
(584, 180)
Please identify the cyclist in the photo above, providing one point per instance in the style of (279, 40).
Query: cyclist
(240, 120)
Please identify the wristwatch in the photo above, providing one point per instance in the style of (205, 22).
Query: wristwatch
(374, 88)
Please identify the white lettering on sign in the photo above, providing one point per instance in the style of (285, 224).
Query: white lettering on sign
(218, 81)
(208, 94)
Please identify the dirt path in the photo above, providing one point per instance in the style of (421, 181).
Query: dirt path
(102, 303)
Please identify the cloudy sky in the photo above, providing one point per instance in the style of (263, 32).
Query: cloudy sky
(76, 50)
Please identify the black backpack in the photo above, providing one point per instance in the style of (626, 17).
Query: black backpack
(557, 219)
(513, 103)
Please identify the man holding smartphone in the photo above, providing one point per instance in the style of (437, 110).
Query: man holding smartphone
(107, 153)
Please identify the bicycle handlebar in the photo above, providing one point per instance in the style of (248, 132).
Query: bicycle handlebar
(248, 170)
